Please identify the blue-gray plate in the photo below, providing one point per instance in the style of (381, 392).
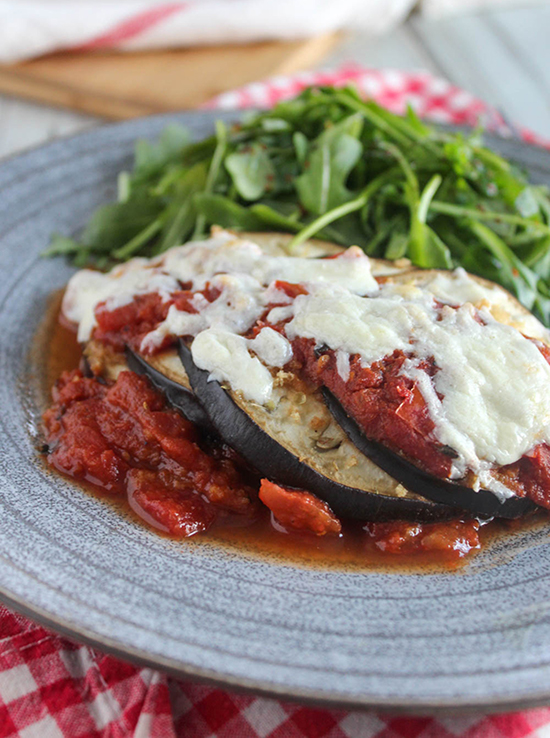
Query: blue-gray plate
(417, 642)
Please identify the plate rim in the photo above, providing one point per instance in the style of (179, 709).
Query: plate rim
(321, 698)
(314, 698)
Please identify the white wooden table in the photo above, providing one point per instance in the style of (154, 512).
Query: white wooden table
(501, 56)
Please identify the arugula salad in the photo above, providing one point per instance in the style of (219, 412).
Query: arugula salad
(332, 165)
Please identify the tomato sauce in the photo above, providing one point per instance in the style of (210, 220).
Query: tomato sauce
(124, 438)
(129, 323)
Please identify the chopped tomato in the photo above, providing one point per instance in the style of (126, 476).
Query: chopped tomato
(386, 403)
(455, 538)
(543, 348)
(178, 511)
(534, 474)
(299, 510)
(130, 323)
(290, 289)
(124, 438)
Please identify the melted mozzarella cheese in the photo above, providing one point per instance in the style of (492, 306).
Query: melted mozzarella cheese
(199, 262)
(237, 308)
(343, 365)
(87, 289)
(488, 399)
(458, 287)
(272, 347)
(226, 356)
(372, 328)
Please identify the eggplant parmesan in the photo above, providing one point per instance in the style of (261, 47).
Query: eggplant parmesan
(322, 383)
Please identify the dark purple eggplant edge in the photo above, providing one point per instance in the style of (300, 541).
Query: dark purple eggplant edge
(482, 503)
(180, 397)
(281, 466)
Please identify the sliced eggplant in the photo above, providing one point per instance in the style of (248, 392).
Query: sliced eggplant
(276, 244)
(298, 444)
(179, 396)
(103, 361)
(482, 503)
(504, 307)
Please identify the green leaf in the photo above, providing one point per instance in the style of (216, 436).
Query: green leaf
(124, 186)
(219, 210)
(181, 214)
(471, 213)
(460, 153)
(437, 253)
(251, 171)
(526, 203)
(539, 260)
(61, 246)
(275, 125)
(347, 231)
(113, 225)
(152, 157)
(213, 172)
(301, 146)
(426, 249)
(332, 156)
(396, 225)
(335, 214)
(416, 124)
(541, 195)
(274, 218)
(142, 238)
(82, 258)
(499, 176)
(513, 274)
(397, 246)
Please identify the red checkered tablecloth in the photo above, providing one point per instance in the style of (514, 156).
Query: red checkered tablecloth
(51, 687)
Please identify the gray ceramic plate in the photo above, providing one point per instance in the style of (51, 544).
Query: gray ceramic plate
(416, 642)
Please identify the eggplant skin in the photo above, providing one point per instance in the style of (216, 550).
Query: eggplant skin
(482, 503)
(280, 465)
(179, 397)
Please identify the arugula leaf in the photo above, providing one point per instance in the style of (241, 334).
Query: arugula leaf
(526, 203)
(426, 248)
(514, 275)
(181, 213)
(113, 225)
(213, 172)
(270, 216)
(151, 158)
(331, 158)
(300, 146)
(251, 170)
(397, 246)
(61, 246)
(219, 210)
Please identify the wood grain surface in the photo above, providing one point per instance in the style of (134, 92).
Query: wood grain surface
(118, 86)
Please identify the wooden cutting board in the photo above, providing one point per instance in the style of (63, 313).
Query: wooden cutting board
(127, 85)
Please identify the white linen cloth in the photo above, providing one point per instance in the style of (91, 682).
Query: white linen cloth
(439, 8)
(31, 28)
